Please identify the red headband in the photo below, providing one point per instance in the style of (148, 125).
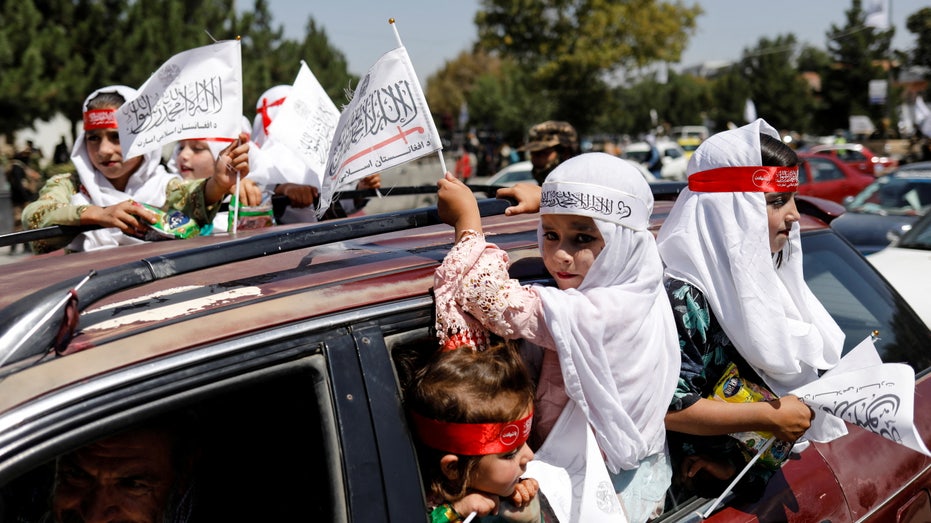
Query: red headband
(745, 179)
(472, 439)
(263, 110)
(100, 119)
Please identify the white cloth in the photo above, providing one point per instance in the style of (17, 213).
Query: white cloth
(148, 184)
(615, 335)
(719, 242)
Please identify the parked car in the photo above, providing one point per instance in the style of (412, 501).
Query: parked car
(829, 178)
(521, 172)
(906, 263)
(886, 208)
(858, 156)
(279, 344)
(671, 153)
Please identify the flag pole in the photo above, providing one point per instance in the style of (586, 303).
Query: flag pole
(397, 37)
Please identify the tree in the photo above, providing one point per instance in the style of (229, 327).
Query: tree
(919, 23)
(568, 46)
(857, 52)
(781, 96)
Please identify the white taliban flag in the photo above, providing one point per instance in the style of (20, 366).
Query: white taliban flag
(749, 111)
(195, 94)
(306, 121)
(864, 391)
(922, 116)
(386, 124)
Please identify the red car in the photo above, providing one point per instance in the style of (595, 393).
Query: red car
(827, 177)
(857, 156)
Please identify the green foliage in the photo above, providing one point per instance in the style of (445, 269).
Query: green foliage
(856, 53)
(568, 46)
(919, 23)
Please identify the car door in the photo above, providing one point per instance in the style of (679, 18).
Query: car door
(823, 178)
(301, 422)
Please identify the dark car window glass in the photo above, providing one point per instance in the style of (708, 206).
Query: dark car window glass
(824, 170)
(861, 302)
(262, 454)
(803, 176)
(919, 237)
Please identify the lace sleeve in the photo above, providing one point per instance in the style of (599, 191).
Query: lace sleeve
(474, 277)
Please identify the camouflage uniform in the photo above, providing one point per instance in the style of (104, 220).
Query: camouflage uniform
(551, 133)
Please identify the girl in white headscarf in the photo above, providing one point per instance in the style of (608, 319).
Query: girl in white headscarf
(611, 345)
(107, 188)
(732, 251)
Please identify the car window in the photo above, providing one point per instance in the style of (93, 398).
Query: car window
(673, 153)
(824, 170)
(261, 449)
(861, 302)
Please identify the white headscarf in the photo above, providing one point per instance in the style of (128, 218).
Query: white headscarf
(719, 243)
(146, 185)
(615, 335)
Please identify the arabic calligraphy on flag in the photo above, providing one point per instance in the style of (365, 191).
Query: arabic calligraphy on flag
(306, 121)
(386, 124)
(195, 94)
(863, 391)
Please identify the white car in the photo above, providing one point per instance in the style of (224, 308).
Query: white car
(905, 264)
(673, 156)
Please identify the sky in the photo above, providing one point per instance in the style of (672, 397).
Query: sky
(435, 31)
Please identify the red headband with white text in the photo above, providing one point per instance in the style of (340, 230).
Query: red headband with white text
(745, 179)
(100, 119)
(472, 439)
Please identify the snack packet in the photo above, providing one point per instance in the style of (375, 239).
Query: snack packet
(250, 217)
(732, 388)
(170, 225)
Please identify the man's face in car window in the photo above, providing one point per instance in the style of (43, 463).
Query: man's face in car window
(126, 478)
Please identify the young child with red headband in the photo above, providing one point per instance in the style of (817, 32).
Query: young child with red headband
(744, 313)
(108, 188)
(471, 414)
(605, 331)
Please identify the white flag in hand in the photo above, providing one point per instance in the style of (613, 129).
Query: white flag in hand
(387, 123)
(879, 397)
(195, 94)
(306, 121)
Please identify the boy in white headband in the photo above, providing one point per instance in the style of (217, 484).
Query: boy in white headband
(610, 343)
(108, 188)
(733, 260)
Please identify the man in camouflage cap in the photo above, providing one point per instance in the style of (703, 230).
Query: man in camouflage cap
(550, 143)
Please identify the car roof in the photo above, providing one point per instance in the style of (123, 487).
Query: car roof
(837, 146)
(170, 296)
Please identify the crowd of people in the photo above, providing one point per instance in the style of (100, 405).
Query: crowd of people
(632, 343)
(120, 200)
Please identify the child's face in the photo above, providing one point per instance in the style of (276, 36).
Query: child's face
(570, 245)
(195, 159)
(105, 153)
(499, 474)
(780, 206)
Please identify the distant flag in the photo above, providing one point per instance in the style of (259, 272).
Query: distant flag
(387, 123)
(195, 94)
(306, 121)
(922, 116)
(877, 14)
(749, 111)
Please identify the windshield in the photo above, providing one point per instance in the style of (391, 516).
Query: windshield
(919, 237)
(893, 195)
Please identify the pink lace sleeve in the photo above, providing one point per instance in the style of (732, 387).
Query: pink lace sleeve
(474, 276)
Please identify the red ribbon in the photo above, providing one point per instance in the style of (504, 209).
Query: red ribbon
(745, 179)
(100, 119)
(472, 439)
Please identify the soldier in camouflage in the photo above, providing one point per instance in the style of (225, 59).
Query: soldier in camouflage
(550, 143)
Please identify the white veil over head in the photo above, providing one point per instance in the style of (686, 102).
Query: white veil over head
(719, 243)
(615, 335)
(147, 184)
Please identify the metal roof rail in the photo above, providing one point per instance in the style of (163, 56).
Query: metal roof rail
(30, 326)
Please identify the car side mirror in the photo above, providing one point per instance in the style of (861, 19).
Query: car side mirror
(895, 234)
